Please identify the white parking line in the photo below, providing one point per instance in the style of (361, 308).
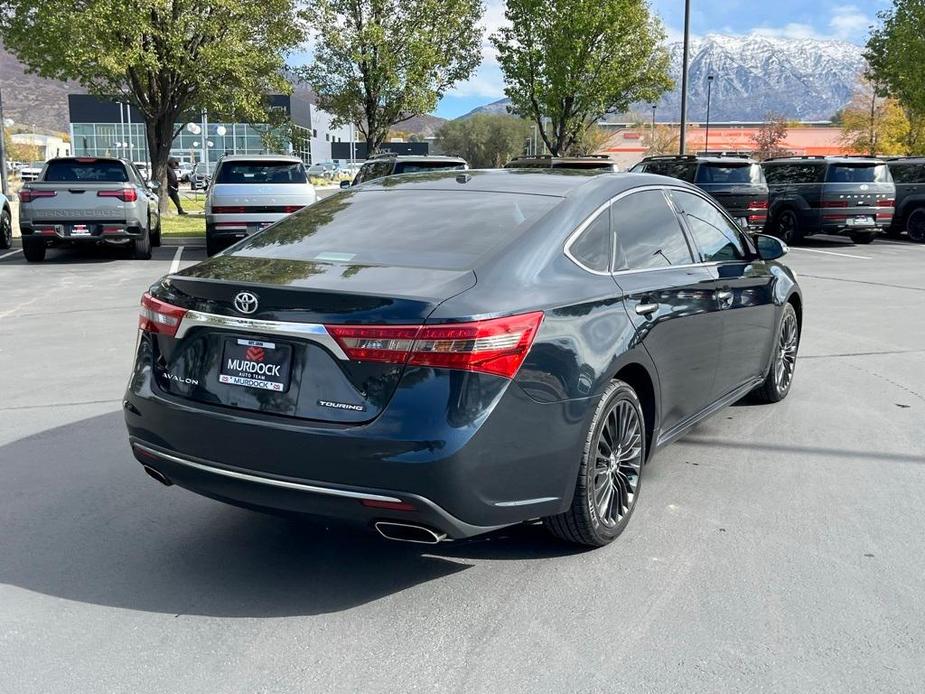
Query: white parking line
(843, 255)
(901, 244)
(7, 255)
(175, 263)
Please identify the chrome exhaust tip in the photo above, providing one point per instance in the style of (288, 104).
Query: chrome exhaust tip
(159, 476)
(408, 532)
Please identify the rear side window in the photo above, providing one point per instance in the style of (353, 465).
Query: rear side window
(793, 173)
(859, 173)
(417, 166)
(684, 170)
(261, 172)
(907, 173)
(716, 236)
(87, 171)
(592, 248)
(648, 233)
(723, 173)
(445, 230)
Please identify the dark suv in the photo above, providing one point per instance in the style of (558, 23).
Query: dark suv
(829, 195)
(387, 164)
(594, 162)
(736, 182)
(909, 176)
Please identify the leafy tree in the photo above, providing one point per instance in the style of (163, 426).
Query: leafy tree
(872, 124)
(664, 139)
(893, 56)
(484, 140)
(381, 62)
(168, 58)
(568, 63)
(770, 135)
(592, 140)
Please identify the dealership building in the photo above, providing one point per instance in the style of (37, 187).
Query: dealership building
(109, 128)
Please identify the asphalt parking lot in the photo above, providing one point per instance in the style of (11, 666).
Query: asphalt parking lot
(774, 548)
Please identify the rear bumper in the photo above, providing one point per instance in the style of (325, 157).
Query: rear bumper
(237, 226)
(100, 232)
(465, 461)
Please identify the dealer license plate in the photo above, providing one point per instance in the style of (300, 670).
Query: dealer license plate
(256, 364)
(864, 220)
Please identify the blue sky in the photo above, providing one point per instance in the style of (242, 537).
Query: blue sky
(788, 18)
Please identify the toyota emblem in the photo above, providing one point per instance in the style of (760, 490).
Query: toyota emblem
(245, 302)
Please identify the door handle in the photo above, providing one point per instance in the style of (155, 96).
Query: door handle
(646, 309)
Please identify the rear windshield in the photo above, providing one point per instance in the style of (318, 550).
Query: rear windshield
(261, 172)
(403, 167)
(423, 228)
(93, 171)
(859, 173)
(730, 173)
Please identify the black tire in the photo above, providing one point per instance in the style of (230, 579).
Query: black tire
(915, 225)
(787, 227)
(34, 252)
(779, 380)
(6, 230)
(141, 248)
(155, 233)
(862, 238)
(594, 519)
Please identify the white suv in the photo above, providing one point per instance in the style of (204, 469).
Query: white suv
(250, 192)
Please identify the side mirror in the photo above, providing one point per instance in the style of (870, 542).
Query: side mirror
(770, 247)
(345, 184)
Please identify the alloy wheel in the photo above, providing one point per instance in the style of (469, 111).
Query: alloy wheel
(6, 230)
(787, 226)
(786, 359)
(618, 464)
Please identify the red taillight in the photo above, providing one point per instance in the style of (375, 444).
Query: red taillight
(228, 209)
(125, 194)
(834, 203)
(886, 202)
(496, 346)
(156, 316)
(758, 205)
(30, 195)
(85, 160)
(288, 209)
(44, 230)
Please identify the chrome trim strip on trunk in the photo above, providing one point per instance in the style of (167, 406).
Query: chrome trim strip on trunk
(314, 332)
(298, 486)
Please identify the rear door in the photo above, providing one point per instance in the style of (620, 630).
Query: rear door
(739, 187)
(744, 291)
(671, 300)
(858, 194)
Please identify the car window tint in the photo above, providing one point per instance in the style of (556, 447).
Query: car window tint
(730, 173)
(400, 228)
(592, 248)
(716, 236)
(858, 173)
(907, 173)
(648, 233)
(261, 172)
(793, 173)
(87, 171)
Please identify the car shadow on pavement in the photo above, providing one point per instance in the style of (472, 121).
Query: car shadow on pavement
(80, 520)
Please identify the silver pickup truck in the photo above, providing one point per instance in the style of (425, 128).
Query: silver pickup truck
(88, 200)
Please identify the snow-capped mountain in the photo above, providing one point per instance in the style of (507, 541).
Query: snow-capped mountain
(805, 79)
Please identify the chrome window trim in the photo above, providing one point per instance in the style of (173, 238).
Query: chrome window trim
(664, 188)
(313, 332)
(270, 481)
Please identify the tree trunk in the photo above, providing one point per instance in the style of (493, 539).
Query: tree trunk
(159, 133)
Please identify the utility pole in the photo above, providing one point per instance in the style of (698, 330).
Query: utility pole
(706, 146)
(3, 184)
(684, 66)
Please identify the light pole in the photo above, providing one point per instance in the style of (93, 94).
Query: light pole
(706, 145)
(684, 66)
(3, 127)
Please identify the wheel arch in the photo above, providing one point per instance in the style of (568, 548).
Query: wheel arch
(641, 380)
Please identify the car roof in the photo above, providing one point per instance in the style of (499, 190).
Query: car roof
(825, 160)
(261, 157)
(602, 158)
(546, 181)
(906, 160)
(703, 158)
(416, 157)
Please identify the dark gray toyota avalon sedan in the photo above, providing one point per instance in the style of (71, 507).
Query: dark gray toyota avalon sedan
(439, 355)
